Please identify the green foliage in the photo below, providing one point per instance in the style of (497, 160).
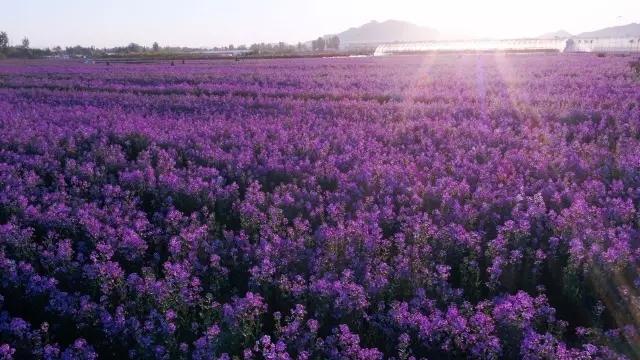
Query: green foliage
(333, 43)
(319, 45)
(4, 42)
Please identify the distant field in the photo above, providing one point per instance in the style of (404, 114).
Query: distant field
(444, 206)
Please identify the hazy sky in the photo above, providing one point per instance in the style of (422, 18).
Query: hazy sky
(216, 22)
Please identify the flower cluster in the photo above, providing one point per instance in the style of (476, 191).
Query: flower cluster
(451, 206)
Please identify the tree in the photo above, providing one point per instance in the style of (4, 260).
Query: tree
(134, 48)
(333, 42)
(4, 42)
(319, 44)
(156, 47)
(25, 42)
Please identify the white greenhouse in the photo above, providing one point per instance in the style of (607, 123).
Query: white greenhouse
(515, 45)
(626, 44)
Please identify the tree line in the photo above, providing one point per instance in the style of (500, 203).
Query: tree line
(23, 50)
(324, 43)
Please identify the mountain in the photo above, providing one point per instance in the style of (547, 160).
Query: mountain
(387, 31)
(560, 34)
(391, 31)
(631, 30)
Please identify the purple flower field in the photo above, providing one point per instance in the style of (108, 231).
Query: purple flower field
(436, 207)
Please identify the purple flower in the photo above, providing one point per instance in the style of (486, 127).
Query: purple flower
(6, 352)
(461, 205)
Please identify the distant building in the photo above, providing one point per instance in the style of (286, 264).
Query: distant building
(622, 44)
(626, 44)
(229, 53)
